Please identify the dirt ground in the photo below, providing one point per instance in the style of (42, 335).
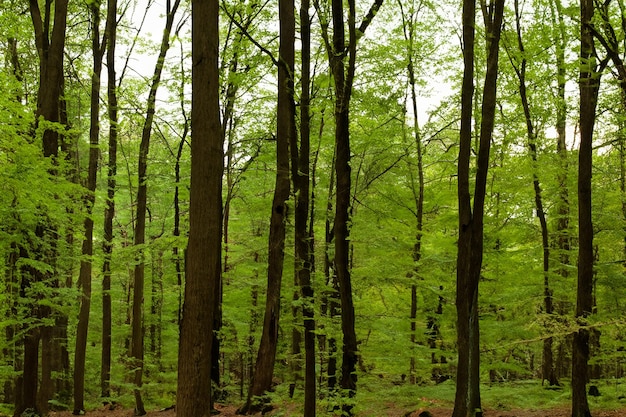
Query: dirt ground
(230, 411)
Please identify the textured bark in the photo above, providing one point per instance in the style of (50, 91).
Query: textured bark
(588, 84)
(203, 260)
(109, 211)
(470, 243)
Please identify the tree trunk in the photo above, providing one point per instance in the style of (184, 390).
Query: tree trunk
(338, 51)
(547, 363)
(109, 211)
(463, 292)
(264, 368)
(588, 85)
(203, 265)
(84, 280)
(410, 21)
(562, 235)
(137, 343)
(304, 237)
(50, 45)
(470, 243)
(330, 302)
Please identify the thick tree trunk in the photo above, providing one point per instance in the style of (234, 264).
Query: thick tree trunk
(343, 176)
(463, 292)
(50, 45)
(203, 265)
(589, 85)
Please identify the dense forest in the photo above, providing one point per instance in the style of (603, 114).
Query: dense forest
(249, 201)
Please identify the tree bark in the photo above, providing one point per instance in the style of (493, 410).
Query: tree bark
(137, 343)
(264, 368)
(547, 363)
(470, 243)
(302, 184)
(109, 211)
(50, 45)
(409, 22)
(203, 265)
(338, 51)
(588, 84)
(84, 280)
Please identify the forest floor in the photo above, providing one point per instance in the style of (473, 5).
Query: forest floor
(292, 411)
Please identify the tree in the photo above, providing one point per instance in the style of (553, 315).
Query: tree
(563, 205)
(285, 131)
(470, 244)
(409, 21)
(203, 265)
(300, 168)
(50, 43)
(589, 84)
(338, 51)
(109, 211)
(84, 281)
(137, 349)
(519, 65)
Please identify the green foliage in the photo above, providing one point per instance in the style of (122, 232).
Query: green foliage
(41, 193)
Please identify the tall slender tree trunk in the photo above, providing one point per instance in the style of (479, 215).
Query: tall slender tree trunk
(562, 233)
(547, 363)
(203, 265)
(589, 85)
(84, 280)
(302, 183)
(470, 243)
(339, 50)
(137, 325)
(330, 302)
(109, 211)
(264, 368)
(409, 22)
